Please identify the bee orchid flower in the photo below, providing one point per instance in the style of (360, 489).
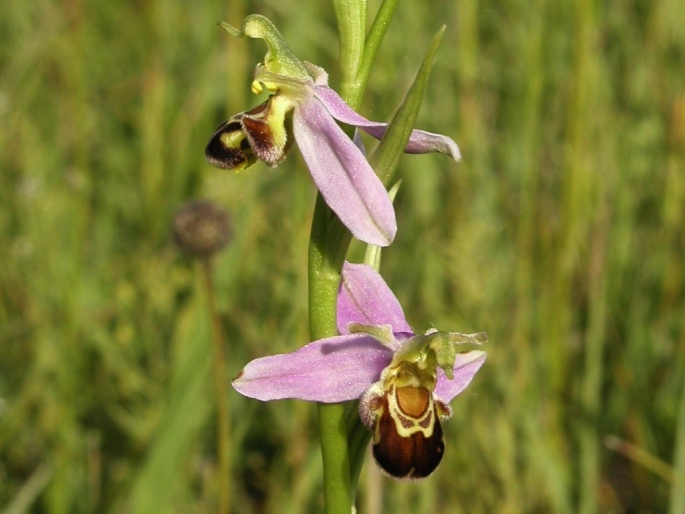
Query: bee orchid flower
(301, 103)
(404, 381)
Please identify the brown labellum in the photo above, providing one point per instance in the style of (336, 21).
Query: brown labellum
(229, 148)
(248, 136)
(408, 442)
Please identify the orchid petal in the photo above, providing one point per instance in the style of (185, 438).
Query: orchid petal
(335, 369)
(345, 179)
(420, 141)
(466, 365)
(365, 298)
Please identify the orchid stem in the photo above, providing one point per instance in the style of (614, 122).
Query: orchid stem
(351, 16)
(325, 266)
(327, 250)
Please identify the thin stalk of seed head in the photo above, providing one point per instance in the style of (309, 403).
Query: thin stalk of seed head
(223, 443)
(201, 229)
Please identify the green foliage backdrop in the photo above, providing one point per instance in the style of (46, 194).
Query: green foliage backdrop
(560, 234)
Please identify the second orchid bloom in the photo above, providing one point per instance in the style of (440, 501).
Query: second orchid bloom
(303, 107)
(404, 381)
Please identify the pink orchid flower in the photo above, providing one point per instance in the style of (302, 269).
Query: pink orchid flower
(304, 109)
(404, 381)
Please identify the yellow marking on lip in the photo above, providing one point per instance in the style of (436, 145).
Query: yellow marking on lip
(403, 418)
(232, 139)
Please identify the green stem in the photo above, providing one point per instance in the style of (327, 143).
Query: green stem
(351, 16)
(327, 248)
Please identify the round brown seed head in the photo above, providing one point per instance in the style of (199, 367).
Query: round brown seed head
(201, 228)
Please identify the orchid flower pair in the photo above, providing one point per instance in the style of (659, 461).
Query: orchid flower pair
(302, 103)
(405, 381)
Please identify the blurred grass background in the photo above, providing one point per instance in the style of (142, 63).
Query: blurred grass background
(560, 234)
